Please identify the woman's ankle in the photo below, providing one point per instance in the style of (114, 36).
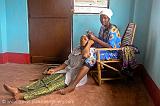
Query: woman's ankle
(19, 96)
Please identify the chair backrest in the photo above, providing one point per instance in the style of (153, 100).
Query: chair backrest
(129, 34)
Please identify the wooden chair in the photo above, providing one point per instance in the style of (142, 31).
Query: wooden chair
(127, 39)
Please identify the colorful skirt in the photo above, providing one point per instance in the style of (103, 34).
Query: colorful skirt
(43, 86)
(104, 55)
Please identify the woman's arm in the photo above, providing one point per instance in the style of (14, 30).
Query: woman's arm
(100, 42)
(103, 44)
(58, 68)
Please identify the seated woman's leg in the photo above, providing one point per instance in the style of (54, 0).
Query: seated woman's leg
(89, 62)
(83, 71)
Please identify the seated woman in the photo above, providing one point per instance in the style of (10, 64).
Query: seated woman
(109, 37)
(76, 75)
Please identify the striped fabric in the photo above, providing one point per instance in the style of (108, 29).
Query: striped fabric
(128, 36)
(43, 86)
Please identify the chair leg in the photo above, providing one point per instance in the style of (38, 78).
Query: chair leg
(99, 73)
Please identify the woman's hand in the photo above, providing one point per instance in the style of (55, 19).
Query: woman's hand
(50, 71)
(91, 35)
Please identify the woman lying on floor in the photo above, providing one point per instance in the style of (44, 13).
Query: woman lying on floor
(76, 68)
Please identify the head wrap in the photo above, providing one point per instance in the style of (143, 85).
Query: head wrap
(107, 12)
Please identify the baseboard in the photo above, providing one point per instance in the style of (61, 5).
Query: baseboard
(21, 58)
(1, 58)
(152, 88)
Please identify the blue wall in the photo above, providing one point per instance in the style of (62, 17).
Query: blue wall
(146, 16)
(1, 10)
(82, 23)
(123, 12)
(142, 18)
(17, 26)
(152, 52)
(0, 40)
(3, 33)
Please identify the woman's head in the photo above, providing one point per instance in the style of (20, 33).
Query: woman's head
(104, 20)
(105, 16)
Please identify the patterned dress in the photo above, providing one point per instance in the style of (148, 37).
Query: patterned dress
(113, 38)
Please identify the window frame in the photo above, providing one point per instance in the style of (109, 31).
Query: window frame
(89, 7)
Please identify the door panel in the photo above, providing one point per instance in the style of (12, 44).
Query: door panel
(50, 30)
(50, 8)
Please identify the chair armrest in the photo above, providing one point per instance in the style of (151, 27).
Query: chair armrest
(109, 49)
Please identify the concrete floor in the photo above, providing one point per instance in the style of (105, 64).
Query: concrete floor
(110, 93)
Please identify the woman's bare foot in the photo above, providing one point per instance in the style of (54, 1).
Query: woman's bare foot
(10, 89)
(19, 96)
(66, 90)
